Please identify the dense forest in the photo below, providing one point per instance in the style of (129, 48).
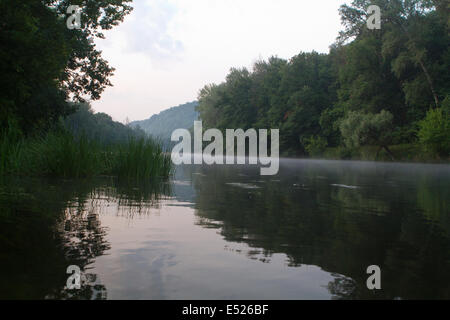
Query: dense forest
(162, 125)
(99, 126)
(50, 68)
(45, 65)
(385, 90)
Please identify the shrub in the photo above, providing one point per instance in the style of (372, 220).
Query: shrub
(434, 132)
(359, 129)
(315, 146)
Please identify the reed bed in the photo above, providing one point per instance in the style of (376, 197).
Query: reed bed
(60, 154)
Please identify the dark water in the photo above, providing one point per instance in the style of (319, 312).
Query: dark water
(227, 233)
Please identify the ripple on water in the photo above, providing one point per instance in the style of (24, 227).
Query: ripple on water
(345, 186)
(243, 185)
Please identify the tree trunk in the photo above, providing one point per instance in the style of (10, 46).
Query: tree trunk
(424, 68)
(430, 83)
(389, 152)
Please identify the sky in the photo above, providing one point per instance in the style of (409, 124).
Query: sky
(167, 50)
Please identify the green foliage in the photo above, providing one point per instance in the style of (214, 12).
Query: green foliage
(58, 153)
(98, 126)
(446, 104)
(434, 133)
(289, 95)
(382, 82)
(82, 145)
(141, 159)
(315, 146)
(402, 69)
(404, 65)
(43, 63)
(10, 141)
(359, 129)
(329, 125)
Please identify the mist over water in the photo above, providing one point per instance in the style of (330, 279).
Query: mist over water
(226, 232)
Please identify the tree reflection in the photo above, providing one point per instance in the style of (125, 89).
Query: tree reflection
(47, 226)
(342, 219)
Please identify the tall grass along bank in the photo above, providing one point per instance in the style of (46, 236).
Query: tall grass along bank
(60, 154)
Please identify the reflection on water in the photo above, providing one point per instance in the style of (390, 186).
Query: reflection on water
(225, 232)
(48, 225)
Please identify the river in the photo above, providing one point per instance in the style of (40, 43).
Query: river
(225, 232)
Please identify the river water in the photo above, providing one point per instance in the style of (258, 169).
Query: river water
(225, 232)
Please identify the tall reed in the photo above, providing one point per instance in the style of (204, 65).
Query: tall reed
(60, 154)
(140, 158)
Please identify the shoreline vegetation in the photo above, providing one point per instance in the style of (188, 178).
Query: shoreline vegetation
(405, 153)
(90, 151)
(376, 95)
(60, 154)
(49, 71)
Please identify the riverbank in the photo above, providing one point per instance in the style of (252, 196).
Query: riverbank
(401, 153)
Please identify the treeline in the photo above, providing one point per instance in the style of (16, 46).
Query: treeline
(49, 69)
(99, 126)
(374, 88)
(46, 63)
(84, 144)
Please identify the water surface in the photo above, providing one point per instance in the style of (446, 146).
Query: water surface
(225, 232)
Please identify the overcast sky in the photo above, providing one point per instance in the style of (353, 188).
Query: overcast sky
(167, 50)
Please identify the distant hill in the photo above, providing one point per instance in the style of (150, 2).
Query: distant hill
(163, 124)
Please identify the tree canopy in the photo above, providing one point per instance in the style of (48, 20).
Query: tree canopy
(400, 70)
(44, 64)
